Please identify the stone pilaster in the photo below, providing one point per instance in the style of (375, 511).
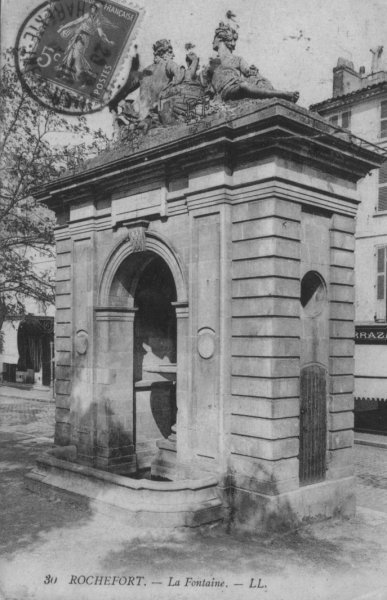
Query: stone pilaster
(178, 443)
(114, 364)
(83, 409)
(182, 380)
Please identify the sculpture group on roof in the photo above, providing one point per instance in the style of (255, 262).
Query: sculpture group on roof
(170, 93)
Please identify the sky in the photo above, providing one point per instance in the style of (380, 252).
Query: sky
(294, 43)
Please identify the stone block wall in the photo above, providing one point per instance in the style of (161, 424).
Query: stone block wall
(63, 339)
(341, 348)
(265, 345)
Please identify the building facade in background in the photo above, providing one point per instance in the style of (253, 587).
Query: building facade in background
(27, 349)
(359, 103)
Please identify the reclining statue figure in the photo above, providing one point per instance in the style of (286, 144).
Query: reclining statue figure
(232, 78)
(170, 93)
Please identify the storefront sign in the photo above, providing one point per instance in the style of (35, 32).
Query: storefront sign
(371, 334)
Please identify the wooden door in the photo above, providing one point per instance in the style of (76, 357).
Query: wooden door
(313, 424)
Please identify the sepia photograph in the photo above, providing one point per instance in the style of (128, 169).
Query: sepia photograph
(193, 300)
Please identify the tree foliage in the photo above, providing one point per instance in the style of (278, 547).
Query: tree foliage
(36, 146)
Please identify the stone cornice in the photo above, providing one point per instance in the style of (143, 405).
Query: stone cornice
(274, 128)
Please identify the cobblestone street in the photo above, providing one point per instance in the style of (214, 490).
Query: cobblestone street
(55, 536)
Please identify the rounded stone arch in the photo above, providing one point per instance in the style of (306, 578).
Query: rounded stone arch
(154, 243)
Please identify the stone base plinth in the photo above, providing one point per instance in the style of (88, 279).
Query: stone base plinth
(254, 512)
(126, 465)
(138, 502)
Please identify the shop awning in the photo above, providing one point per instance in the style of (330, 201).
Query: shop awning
(371, 388)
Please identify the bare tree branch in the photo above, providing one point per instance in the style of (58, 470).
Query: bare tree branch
(28, 155)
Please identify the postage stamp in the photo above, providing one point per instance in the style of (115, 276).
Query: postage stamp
(70, 54)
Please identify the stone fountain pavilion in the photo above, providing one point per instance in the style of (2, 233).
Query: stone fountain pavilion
(204, 321)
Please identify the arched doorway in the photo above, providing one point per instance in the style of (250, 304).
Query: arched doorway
(141, 356)
(154, 357)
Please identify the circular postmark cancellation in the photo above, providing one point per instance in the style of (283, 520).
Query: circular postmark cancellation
(72, 56)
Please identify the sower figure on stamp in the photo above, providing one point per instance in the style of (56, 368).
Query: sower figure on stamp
(75, 65)
(232, 78)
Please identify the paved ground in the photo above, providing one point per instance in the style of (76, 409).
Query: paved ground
(371, 470)
(48, 548)
(24, 392)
